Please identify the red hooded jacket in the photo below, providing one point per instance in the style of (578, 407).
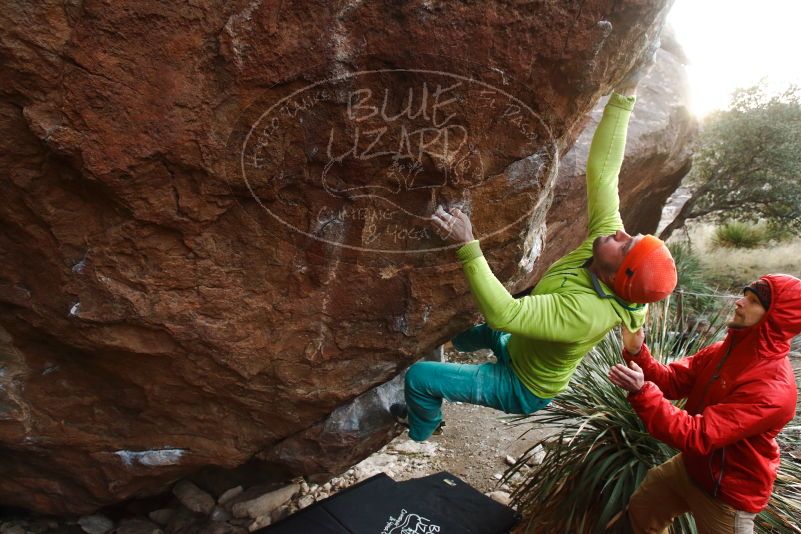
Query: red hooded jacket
(740, 393)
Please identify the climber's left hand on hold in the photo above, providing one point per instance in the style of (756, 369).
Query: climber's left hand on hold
(454, 226)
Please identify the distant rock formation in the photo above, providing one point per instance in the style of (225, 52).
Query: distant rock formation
(214, 223)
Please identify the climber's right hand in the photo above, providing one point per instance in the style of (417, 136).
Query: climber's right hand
(628, 85)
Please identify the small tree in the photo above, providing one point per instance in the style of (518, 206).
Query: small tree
(747, 162)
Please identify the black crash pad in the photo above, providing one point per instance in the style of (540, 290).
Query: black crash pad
(436, 504)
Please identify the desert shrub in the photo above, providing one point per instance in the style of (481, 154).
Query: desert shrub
(734, 234)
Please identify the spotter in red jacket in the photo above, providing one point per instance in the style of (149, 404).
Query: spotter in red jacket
(740, 393)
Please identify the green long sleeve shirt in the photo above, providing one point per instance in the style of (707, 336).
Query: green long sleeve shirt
(570, 310)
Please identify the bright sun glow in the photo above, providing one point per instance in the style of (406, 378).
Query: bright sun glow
(735, 43)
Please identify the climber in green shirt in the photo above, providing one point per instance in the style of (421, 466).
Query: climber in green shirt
(540, 339)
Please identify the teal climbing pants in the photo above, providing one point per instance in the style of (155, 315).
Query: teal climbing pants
(489, 384)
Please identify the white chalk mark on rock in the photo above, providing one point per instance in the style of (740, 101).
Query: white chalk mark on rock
(80, 266)
(151, 458)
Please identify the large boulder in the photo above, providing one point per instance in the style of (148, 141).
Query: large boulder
(658, 155)
(214, 230)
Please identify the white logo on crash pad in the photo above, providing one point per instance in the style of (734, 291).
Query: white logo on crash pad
(408, 523)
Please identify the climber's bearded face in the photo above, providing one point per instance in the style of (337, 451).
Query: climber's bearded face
(608, 251)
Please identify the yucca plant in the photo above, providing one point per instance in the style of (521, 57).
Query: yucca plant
(736, 234)
(601, 451)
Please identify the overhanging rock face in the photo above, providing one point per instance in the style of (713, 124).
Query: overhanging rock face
(658, 156)
(214, 222)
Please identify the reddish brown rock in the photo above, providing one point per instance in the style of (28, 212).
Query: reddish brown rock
(657, 157)
(185, 282)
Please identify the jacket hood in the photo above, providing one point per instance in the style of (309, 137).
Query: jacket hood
(772, 335)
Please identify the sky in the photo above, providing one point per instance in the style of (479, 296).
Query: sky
(735, 43)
